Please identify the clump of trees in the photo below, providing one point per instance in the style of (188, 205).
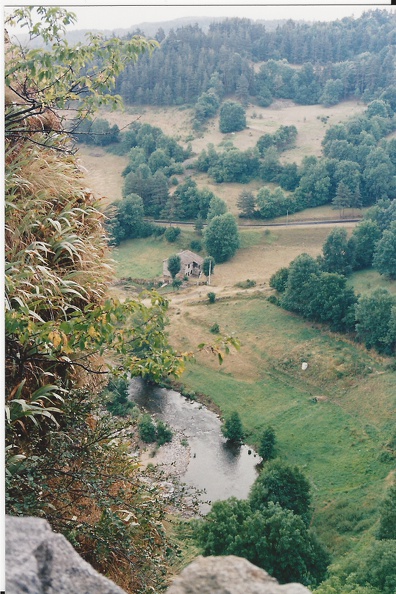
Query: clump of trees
(270, 528)
(125, 220)
(284, 138)
(188, 202)
(230, 165)
(97, 132)
(317, 289)
(151, 432)
(357, 168)
(206, 107)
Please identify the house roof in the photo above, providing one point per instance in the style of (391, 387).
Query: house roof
(186, 257)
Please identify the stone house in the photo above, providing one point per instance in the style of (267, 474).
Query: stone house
(191, 265)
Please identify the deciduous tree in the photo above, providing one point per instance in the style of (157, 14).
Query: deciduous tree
(232, 117)
(222, 237)
(384, 259)
(285, 485)
(232, 428)
(174, 265)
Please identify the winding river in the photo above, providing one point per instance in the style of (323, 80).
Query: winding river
(214, 466)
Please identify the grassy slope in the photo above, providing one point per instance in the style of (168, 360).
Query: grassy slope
(338, 440)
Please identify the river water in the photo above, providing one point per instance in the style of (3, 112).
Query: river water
(213, 465)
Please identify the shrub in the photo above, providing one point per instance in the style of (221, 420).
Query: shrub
(117, 394)
(172, 233)
(177, 283)
(147, 431)
(247, 284)
(212, 297)
(215, 329)
(196, 245)
(164, 433)
(278, 280)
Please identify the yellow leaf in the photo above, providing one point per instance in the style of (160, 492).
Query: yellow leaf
(92, 332)
(55, 338)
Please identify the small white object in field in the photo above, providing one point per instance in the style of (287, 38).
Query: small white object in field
(304, 366)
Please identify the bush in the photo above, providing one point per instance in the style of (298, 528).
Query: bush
(164, 433)
(247, 284)
(172, 233)
(232, 117)
(196, 245)
(117, 394)
(274, 300)
(278, 280)
(158, 231)
(212, 297)
(177, 283)
(147, 431)
(215, 329)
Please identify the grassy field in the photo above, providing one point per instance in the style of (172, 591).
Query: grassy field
(177, 122)
(367, 281)
(103, 172)
(326, 418)
(262, 253)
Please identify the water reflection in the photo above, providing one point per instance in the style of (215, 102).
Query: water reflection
(221, 469)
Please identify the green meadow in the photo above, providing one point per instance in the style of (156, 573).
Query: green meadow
(326, 418)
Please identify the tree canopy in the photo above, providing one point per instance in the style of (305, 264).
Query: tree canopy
(222, 237)
(232, 117)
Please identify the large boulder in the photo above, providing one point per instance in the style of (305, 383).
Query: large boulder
(228, 575)
(39, 561)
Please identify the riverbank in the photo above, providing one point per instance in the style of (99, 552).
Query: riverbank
(199, 464)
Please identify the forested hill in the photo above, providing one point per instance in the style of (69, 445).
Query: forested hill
(357, 56)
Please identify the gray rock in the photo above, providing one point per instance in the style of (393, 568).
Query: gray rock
(39, 561)
(228, 575)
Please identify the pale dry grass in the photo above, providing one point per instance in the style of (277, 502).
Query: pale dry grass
(173, 121)
(311, 130)
(103, 172)
(259, 262)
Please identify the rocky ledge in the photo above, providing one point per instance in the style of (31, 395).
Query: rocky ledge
(39, 561)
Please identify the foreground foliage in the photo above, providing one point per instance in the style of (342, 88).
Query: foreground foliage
(66, 458)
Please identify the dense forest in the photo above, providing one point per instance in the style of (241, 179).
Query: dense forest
(308, 63)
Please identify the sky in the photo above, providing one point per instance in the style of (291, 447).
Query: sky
(102, 15)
